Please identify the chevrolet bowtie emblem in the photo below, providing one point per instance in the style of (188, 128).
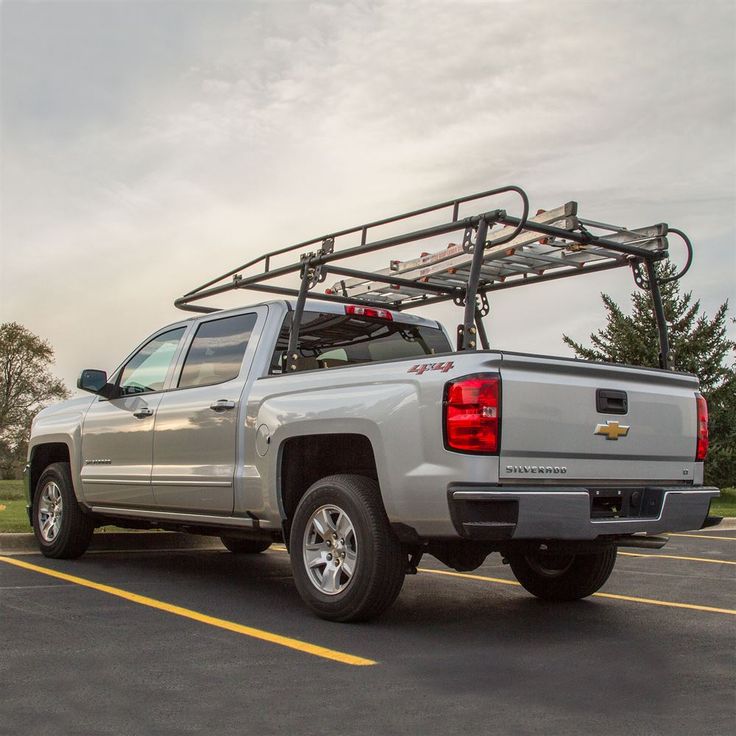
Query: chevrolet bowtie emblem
(612, 430)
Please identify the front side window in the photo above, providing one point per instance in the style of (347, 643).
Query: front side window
(146, 370)
(217, 351)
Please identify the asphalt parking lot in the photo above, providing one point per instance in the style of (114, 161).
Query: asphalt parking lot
(205, 641)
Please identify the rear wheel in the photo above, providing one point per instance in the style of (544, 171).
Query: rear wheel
(240, 546)
(348, 564)
(61, 528)
(563, 577)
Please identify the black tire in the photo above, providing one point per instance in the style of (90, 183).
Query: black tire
(378, 561)
(70, 536)
(556, 577)
(241, 546)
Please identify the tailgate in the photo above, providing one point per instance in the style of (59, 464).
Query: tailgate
(568, 420)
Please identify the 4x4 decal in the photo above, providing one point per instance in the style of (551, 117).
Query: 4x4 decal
(420, 368)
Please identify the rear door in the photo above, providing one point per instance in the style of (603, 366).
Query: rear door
(567, 420)
(195, 445)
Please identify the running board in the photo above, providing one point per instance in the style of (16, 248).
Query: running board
(172, 517)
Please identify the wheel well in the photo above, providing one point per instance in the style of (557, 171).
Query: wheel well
(43, 456)
(304, 460)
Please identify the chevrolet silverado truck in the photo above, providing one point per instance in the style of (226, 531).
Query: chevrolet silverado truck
(360, 436)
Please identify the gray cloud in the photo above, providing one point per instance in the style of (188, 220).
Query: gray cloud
(148, 146)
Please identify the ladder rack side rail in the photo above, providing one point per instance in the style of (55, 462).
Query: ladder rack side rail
(363, 229)
(359, 250)
(184, 302)
(520, 282)
(318, 260)
(197, 308)
(265, 258)
(334, 298)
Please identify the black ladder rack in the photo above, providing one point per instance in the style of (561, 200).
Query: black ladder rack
(497, 251)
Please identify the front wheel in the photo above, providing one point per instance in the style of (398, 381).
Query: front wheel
(61, 528)
(563, 577)
(348, 564)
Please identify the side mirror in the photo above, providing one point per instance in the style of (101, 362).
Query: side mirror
(95, 382)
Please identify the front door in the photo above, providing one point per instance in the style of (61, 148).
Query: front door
(117, 436)
(197, 421)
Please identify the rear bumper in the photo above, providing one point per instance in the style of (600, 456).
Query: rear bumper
(541, 512)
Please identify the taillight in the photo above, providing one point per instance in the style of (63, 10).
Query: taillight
(702, 449)
(472, 414)
(359, 311)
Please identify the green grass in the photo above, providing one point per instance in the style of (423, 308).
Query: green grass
(726, 504)
(11, 490)
(13, 517)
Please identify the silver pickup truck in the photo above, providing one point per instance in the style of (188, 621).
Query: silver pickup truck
(358, 436)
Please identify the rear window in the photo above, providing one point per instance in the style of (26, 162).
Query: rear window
(333, 340)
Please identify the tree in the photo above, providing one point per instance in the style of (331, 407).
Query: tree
(26, 386)
(698, 345)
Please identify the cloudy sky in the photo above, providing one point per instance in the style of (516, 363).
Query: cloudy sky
(147, 146)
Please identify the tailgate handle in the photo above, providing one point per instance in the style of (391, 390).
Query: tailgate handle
(610, 401)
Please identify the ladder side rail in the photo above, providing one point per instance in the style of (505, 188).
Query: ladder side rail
(563, 216)
(389, 279)
(582, 238)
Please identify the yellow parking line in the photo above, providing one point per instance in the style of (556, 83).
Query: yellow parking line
(633, 599)
(284, 641)
(679, 557)
(701, 536)
(670, 604)
(468, 576)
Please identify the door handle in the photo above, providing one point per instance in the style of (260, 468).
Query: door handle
(142, 413)
(222, 405)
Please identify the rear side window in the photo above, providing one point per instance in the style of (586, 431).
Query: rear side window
(217, 350)
(332, 340)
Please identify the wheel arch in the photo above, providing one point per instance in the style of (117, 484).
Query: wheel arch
(43, 455)
(304, 459)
